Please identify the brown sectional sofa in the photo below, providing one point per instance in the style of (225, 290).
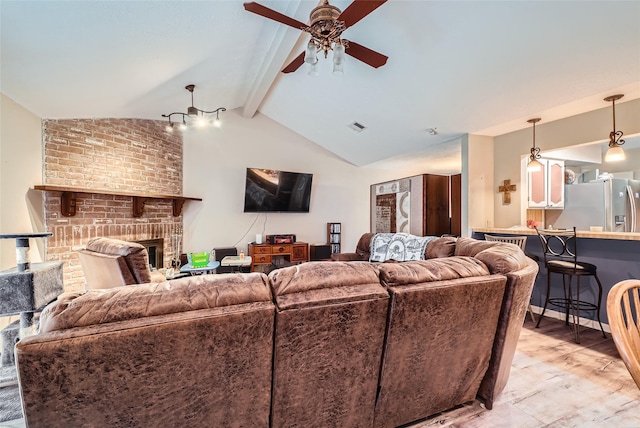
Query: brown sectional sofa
(343, 344)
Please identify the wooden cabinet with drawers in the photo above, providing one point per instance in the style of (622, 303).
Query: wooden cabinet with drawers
(265, 257)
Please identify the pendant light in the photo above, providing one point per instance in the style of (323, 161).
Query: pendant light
(534, 165)
(615, 152)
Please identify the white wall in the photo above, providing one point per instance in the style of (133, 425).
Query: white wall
(215, 161)
(21, 169)
(584, 128)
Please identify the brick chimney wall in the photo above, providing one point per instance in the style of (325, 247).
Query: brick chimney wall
(128, 155)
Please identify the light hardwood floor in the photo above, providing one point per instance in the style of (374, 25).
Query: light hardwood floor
(554, 382)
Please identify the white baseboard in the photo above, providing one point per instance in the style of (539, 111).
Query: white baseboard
(561, 316)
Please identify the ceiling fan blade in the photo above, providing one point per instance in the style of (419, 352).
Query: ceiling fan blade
(295, 64)
(258, 9)
(358, 10)
(366, 55)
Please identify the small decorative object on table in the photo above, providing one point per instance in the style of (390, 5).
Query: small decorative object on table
(198, 259)
(532, 224)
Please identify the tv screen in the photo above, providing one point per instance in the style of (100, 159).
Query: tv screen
(268, 190)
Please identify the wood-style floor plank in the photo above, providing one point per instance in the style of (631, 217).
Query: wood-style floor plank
(556, 382)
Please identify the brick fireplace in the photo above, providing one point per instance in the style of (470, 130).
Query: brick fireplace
(116, 155)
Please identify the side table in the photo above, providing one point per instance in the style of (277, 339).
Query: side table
(188, 268)
(236, 262)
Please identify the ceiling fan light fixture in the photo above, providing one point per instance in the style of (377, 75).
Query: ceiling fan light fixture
(325, 26)
(310, 54)
(338, 54)
(313, 69)
(338, 69)
(196, 116)
(615, 152)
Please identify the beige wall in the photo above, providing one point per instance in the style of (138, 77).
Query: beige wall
(21, 169)
(215, 163)
(510, 148)
(478, 182)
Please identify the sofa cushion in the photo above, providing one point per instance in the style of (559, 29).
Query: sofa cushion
(321, 283)
(500, 257)
(145, 300)
(442, 269)
(321, 275)
(440, 247)
(363, 247)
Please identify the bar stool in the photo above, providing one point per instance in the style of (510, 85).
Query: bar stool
(561, 257)
(520, 241)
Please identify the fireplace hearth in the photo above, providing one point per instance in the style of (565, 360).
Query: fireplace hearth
(155, 248)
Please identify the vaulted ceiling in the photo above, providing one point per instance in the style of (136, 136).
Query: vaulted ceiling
(479, 67)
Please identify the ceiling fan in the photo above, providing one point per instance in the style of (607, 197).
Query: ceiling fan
(326, 24)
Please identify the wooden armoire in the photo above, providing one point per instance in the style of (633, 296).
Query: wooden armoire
(423, 205)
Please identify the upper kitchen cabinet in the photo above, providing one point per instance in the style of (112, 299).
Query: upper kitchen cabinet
(546, 187)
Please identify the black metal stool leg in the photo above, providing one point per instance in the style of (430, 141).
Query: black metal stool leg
(599, 303)
(546, 300)
(567, 297)
(576, 312)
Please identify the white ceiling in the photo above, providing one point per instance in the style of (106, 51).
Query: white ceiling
(481, 67)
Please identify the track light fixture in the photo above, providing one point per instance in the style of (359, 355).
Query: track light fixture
(615, 152)
(534, 165)
(194, 115)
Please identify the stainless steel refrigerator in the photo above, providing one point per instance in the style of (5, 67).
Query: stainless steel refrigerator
(613, 204)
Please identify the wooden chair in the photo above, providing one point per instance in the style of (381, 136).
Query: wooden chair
(623, 311)
(521, 242)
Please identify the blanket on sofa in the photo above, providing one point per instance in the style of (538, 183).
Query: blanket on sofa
(401, 247)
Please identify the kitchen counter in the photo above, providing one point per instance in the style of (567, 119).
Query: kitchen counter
(624, 236)
(616, 254)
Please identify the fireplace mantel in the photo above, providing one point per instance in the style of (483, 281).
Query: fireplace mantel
(68, 199)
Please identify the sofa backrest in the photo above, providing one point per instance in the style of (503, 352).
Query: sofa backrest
(500, 257)
(442, 323)
(329, 334)
(104, 270)
(521, 271)
(363, 247)
(191, 352)
(134, 254)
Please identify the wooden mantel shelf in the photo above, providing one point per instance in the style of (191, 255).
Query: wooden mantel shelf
(68, 199)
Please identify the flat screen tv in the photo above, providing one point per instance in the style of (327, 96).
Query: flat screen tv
(268, 190)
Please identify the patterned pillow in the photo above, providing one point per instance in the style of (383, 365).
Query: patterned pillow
(401, 247)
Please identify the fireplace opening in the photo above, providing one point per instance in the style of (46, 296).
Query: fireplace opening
(155, 249)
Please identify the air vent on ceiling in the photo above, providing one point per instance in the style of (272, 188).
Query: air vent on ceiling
(358, 127)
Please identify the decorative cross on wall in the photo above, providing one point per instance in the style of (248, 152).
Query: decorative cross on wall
(506, 188)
